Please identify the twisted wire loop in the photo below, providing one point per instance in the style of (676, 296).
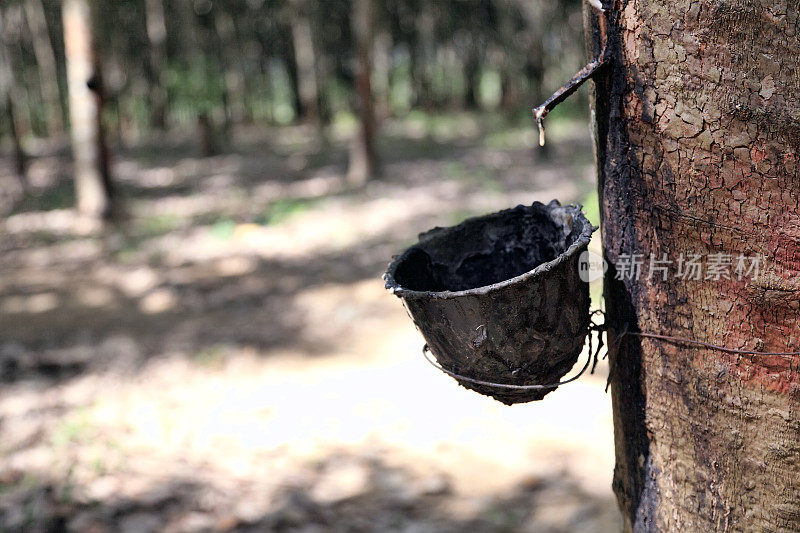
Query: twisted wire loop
(593, 354)
(426, 350)
(705, 344)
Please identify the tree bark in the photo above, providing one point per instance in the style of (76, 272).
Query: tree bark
(93, 185)
(363, 164)
(698, 133)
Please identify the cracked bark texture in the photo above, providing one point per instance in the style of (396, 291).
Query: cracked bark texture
(697, 129)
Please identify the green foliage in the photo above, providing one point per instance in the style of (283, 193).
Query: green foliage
(241, 53)
(62, 196)
(460, 215)
(195, 87)
(490, 89)
(401, 94)
(476, 176)
(223, 229)
(76, 428)
(283, 111)
(591, 206)
(283, 210)
(211, 356)
(156, 225)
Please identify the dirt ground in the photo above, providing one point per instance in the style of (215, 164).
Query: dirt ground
(226, 359)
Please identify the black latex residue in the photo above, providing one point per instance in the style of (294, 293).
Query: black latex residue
(483, 251)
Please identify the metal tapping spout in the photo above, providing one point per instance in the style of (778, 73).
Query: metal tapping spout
(587, 72)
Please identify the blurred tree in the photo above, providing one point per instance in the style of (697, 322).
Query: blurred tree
(477, 18)
(305, 60)
(46, 62)
(214, 57)
(157, 37)
(510, 54)
(363, 160)
(423, 53)
(230, 56)
(382, 73)
(8, 96)
(92, 174)
(277, 61)
(209, 92)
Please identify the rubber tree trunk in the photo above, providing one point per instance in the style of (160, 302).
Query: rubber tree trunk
(363, 164)
(698, 133)
(92, 175)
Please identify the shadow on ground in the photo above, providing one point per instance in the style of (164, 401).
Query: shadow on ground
(341, 493)
(227, 357)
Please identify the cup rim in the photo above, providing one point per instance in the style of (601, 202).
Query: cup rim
(580, 243)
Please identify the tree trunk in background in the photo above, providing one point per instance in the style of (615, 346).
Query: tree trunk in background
(422, 56)
(222, 32)
(46, 63)
(208, 136)
(363, 161)
(20, 157)
(382, 74)
(157, 37)
(92, 175)
(472, 77)
(290, 61)
(8, 93)
(305, 59)
(232, 66)
(536, 16)
(534, 70)
(509, 71)
(698, 137)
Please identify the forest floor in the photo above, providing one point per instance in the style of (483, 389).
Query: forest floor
(227, 358)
